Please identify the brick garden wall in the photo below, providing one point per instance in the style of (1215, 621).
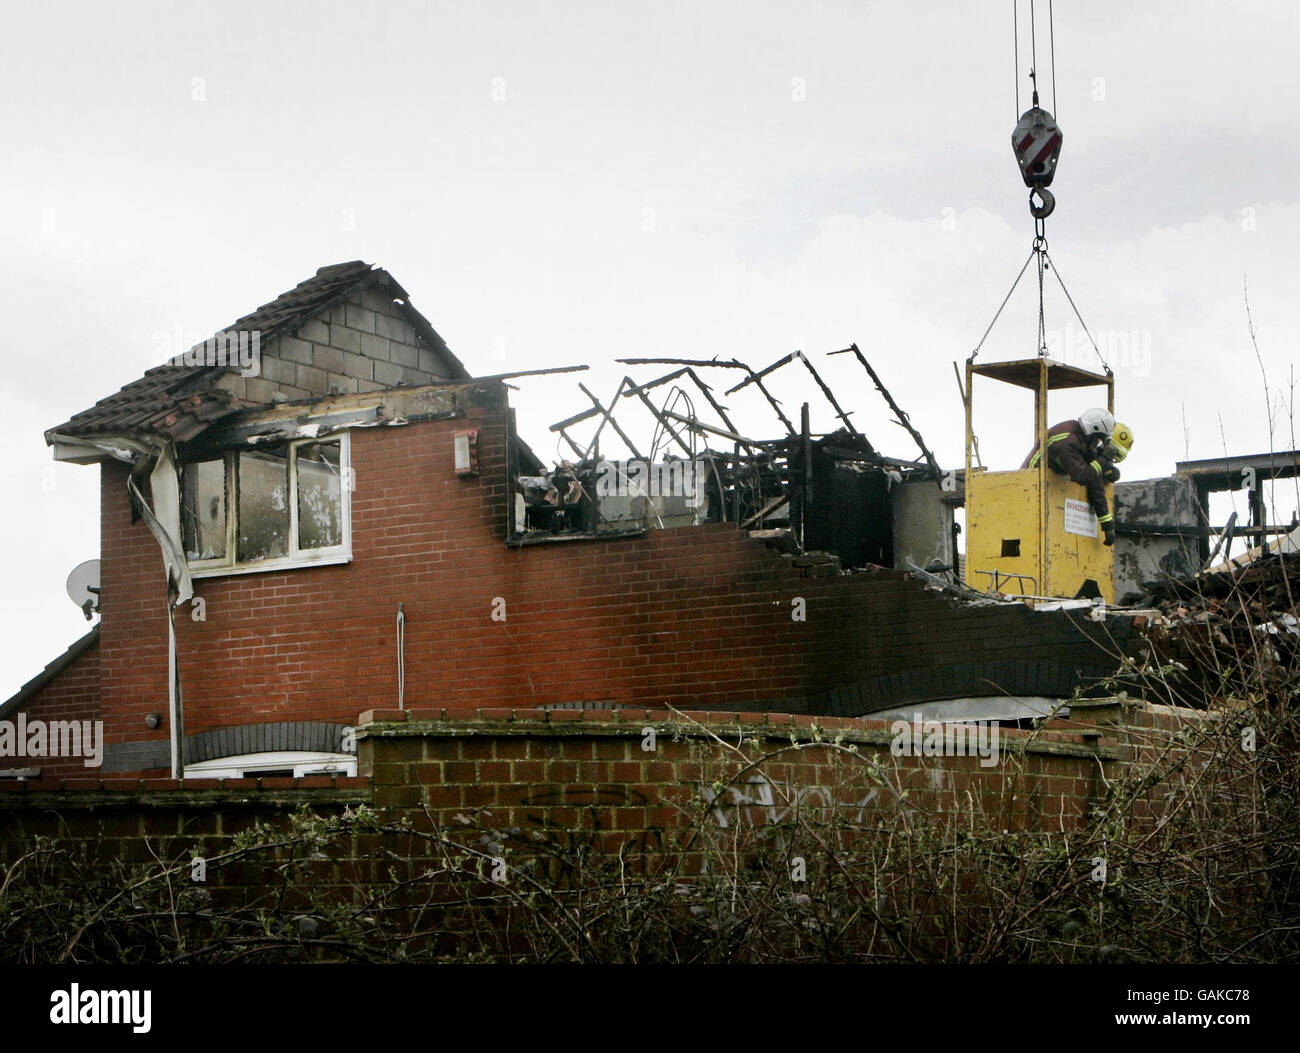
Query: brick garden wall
(565, 769)
(570, 779)
(568, 770)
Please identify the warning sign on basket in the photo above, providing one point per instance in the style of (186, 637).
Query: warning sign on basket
(1079, 518)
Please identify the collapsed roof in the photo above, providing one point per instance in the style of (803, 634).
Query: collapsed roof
(834, 493)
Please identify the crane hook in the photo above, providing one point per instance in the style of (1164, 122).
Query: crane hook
(1046, 202)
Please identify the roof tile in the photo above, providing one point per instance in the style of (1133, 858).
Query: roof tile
(179, 401)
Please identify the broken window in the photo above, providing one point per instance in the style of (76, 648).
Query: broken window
(266, 507)
(203, 510)
(263, 504)
(320, 493)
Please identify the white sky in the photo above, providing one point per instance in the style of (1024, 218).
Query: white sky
(561, 183)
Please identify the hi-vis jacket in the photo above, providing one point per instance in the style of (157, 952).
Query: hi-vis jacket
(1070, 453)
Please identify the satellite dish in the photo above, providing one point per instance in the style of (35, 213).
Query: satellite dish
(83, 587)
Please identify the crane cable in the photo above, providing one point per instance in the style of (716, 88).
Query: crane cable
(1039, 250)
(1005, 300)
(1033, 50)
(1051, 30)
(1015, 59)
(1061, 282)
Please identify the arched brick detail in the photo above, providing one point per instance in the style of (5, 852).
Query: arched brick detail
(277, 737)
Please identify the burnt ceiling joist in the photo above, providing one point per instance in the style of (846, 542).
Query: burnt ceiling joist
(754, 478)
(828, 497)
(853, 445)
(900, 415)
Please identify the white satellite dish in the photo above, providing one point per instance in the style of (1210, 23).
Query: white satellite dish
(83, 587)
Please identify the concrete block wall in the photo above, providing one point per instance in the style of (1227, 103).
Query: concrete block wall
(363, 344)
(1156, 505)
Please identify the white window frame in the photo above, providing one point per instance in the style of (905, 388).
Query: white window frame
(247, 765)
(315, 557)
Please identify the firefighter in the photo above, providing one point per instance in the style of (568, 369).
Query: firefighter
(1115, 449)
(1118, 446)
(1086, 450)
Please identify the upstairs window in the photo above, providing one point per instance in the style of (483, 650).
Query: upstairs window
(266, 508)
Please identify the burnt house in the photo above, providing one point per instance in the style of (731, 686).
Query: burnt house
(355, 525)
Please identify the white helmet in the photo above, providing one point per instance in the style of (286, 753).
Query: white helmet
(1097, 422)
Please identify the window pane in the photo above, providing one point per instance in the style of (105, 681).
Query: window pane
(263, 504)
(203, 509)
(320, 495)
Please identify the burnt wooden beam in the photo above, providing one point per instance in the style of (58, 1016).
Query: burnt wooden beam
(577, 418)
(581, 453)
(830, 397)
(699, 425)
(725, 363)
(903, 418)
(659, 416)
(757, 380)
(720, 363)
(529, 373)
(754, 378)
(636, 389)
(609, 419)
(707, 392)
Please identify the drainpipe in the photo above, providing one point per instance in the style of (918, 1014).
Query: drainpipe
(401, 656)
(165, 486)
(175, 713)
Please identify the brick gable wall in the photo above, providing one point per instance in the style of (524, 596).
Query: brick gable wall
(73, 695)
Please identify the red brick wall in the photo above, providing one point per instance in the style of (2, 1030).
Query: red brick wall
(695, 617)
(592, 771)
(133, 622)
(567, 770)
(553, 769)
(72, 695)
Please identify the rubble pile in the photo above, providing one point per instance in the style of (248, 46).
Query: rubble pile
(1237, 629)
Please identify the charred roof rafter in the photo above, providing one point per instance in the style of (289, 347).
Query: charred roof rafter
(724, 363)
(758, 482)
(899, 413)
(851, 444)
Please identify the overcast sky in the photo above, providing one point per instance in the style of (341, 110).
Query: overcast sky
(568, 183)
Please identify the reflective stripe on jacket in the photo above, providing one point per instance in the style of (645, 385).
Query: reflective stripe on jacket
(1070, 453)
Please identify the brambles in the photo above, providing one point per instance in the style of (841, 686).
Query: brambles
(1189, 854)
(1177, 842)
